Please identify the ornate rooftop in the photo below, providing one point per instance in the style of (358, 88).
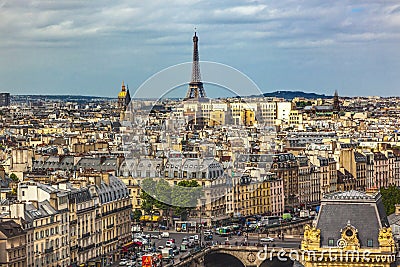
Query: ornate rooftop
(352, 195)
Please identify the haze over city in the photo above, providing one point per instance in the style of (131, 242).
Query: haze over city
(89, 47)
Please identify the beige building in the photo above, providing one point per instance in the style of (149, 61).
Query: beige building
(255, 194)
(84, 224)
(285, 166)
(381, 170)
(45, 209)
(356, 164)
(12, 244)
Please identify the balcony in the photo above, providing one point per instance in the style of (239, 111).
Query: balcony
(49, 250)
(86, 235)
(110, 226)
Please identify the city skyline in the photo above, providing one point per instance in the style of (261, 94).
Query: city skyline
(74, 47)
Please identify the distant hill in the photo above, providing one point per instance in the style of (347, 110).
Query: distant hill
(289, 95)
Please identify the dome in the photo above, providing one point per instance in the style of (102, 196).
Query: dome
(122, 94)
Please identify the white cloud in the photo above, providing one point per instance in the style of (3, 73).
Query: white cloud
(157, 28)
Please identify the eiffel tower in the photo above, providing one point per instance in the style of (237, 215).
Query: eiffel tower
(196, 89)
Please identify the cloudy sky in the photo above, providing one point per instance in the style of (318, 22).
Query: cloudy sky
(89, 47)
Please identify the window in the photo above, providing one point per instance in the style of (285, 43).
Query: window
(331, 242)
(370, 243)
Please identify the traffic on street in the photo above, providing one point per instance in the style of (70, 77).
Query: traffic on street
(153, 248)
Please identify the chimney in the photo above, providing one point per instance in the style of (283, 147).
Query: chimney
(53, 200)
(372, 190)
(105, 177)
(17, 210)
(397, 209)
(97, 180)
(35, 203)
(2, 173)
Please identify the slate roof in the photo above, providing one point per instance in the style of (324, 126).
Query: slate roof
(115, 190)
(79, 195)
(11, 229)
(44, 210)
(394, 219)
(360, 157)
(363, 211)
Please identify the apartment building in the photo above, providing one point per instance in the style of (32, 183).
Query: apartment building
(12, 244)
(285, 166)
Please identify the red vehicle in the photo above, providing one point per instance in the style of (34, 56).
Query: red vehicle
(137, 243)
(147, 261)
(152, 260)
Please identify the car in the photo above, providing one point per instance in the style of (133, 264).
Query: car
(163, 227)
(137, 243)
(185, 238)
(207, 232)
(208, 237)
(160, 247)
(169, 244)
(176, 251)
(267, 239)
(137, 235)
(154, 236)
(165, 234)
(123, 262)
(191, 238)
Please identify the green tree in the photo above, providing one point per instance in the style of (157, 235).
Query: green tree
(136, 215)
(163, 193)
(149, 185)
(156, 194)
(390, 197)
(185, 196)
(14, 177)
(147, 203)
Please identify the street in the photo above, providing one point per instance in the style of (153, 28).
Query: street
(233, 240)
(252, 240)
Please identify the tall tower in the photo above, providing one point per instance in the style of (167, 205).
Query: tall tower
(196, 89)
(336, 103)
(124, 97)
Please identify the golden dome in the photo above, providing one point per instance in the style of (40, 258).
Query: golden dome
(122, 94)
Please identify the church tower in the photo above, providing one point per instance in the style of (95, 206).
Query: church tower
(124, 97)
(336, 106)
(336, 103)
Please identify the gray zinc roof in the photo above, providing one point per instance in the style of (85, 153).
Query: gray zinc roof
(363, 211)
